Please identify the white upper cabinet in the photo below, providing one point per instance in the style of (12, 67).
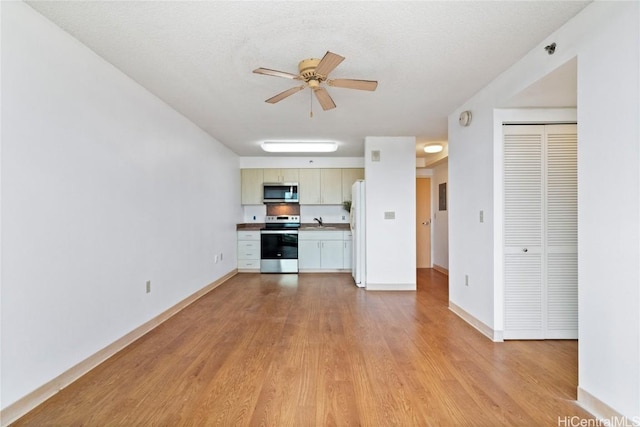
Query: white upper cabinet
(349, 176)
(251, 186)
(309, 187)
(281, 175)
(329, 186)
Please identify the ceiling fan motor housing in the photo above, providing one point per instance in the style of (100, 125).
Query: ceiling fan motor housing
(307, 68)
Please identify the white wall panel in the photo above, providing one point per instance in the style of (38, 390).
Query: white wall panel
(104, 187)
(391, 187)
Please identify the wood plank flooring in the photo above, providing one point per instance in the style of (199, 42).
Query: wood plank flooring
(314, 350)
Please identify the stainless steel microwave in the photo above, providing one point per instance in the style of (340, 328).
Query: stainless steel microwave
(280, 192)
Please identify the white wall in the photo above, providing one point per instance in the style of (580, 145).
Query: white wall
(605, 39)
(440, 223)
(390, 187)
(103, 188)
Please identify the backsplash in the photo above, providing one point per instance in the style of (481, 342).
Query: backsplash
(329, 213)
(283, 209)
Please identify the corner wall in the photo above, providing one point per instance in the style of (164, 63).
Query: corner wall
(103, 188)
(605, 37)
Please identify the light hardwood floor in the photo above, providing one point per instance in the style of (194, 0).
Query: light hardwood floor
(314, 350)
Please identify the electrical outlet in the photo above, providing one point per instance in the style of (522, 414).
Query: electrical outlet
(344, 217)
(390, 215)
(466, 280)
(148, 286)
(481, 216)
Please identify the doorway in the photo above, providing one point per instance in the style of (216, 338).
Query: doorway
(423, 222)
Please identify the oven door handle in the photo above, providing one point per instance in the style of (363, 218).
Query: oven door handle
(278, 231)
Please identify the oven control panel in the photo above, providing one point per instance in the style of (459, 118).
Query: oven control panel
(282, 219)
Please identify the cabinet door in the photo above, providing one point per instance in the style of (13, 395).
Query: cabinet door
(331, 254)
(331, 186)
(289, 175)
(280, 175)
(309, 254)
(349, 176)
(271, 175)
(309, 188)
(346, 255)
(251, 186)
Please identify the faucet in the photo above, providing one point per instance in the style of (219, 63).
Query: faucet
(319, 221)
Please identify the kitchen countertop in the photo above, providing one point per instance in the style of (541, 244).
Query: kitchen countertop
(250, 226)
(312, 226)
(307, 226)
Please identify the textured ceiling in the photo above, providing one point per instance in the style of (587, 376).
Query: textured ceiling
(429, 57)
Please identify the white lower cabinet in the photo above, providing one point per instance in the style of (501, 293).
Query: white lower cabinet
(347, 251)
(249, 250)
(321, 250)
(308, 253)
(317, 250)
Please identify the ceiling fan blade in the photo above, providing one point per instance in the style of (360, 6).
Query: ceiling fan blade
(354, 84)
(324, 99)
(328, 62)
(276, 73)
(282, 95)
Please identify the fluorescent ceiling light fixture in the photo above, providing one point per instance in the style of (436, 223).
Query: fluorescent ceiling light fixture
(433, 148)
(299, 147)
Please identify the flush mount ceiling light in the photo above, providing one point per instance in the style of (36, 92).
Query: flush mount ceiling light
(299, 147)
(433, 148)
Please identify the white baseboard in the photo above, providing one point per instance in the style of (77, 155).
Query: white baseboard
(602, 411)
(495, 336)
(323, 270)
(25, 404)
(390, 286)
(442, 270)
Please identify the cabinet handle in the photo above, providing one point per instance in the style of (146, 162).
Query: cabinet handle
(525, 250)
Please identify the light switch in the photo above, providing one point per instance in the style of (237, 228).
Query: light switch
(375, 155)
(390, 215)
(481, 216)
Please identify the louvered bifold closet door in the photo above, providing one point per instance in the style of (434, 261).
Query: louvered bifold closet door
(523, 232)
(562, 231)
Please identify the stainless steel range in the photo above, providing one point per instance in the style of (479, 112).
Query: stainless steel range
(279, 244)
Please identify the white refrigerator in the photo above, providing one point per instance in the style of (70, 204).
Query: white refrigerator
(358, 233)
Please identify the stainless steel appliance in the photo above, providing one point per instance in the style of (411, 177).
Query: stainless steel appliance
(279, 244)
(279, 192)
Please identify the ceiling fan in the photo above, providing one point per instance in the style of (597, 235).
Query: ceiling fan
(314, 72)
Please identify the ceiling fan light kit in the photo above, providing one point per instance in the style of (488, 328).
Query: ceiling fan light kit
(299, 147)
(432, 148)
(314, 72)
